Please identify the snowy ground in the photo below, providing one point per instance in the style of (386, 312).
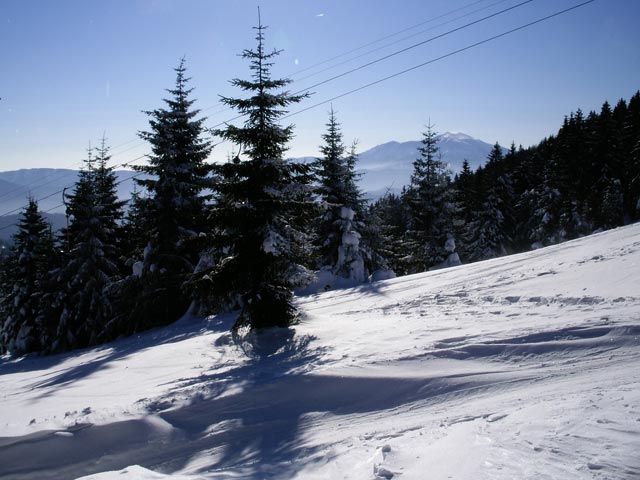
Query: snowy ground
(525, 367)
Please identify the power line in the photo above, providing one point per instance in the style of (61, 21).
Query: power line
(415, 45)
(398, 52)
(446, 14)
(400, 40)
(387, 37)
(136, 175)
(442, 57)
(56, 173)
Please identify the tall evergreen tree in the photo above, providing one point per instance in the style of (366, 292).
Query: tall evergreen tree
(339, 227)
(93, 257)
(177, 175)
(466, 203)
(23, 328)
(489, 232)
(544, 223)
(258, 210)
(430, 203)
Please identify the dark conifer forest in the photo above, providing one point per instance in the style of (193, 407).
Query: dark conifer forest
(241, 236)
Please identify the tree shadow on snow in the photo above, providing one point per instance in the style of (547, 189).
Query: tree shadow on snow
(254, 419)
(91, 360)
(261, 427)
(249, 416)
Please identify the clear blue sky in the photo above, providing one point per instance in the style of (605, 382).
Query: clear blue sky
(74, 69)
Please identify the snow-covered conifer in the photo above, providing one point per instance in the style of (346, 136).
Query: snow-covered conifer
(93, 255)
(430, 203)
(340, 225)
(23, 327)
(177, 175)
(257, 214)
(488, 234)
(388, 220)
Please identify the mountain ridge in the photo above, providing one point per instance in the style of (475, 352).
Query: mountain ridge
(384, 167)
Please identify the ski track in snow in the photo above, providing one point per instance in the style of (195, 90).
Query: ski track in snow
(522, 367)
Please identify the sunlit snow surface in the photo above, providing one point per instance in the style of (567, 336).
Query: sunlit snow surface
(524, 367)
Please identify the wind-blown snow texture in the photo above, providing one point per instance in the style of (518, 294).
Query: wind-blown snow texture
(521, 367)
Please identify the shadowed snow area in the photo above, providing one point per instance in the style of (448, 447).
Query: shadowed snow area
(522, 367)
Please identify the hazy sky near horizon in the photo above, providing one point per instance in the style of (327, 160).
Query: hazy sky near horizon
(75, 69)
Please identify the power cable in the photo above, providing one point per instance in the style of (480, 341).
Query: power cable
(400, 40)
(386, 37)
(57, 173)
(398, 52)
(446, 14)
(450, 54)
(415, 45)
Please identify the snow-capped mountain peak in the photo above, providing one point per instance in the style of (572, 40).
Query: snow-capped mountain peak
(455, 136)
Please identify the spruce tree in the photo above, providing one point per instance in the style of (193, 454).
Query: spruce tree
(430, 203)
(544, 223)
(23, 328)
(340, 224)
(466, 203)
(489, 231)
(93, 256)
(177, 175)
(258, 212)
(604, 164)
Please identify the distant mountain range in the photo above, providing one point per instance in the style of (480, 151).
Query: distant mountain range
(46, 185)
(386, 167)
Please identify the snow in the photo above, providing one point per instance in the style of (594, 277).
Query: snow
(382, 274)
(347, 213)
(522, 367)
(138, 268)
(273, 243)
(450, 244)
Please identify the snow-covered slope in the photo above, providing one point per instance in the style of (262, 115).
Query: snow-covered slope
(524, 367)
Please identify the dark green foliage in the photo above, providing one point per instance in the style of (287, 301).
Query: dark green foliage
(490, 230)
(631, 152)
(389, 220)
(93, 255)
(340, 226)
(174, 213)
(584, 178)
(430, 203)
(259, 240)
(137, 226)
(23, 327)
(466, 203)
